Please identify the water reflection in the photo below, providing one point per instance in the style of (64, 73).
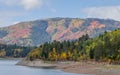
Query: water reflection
(8, 67)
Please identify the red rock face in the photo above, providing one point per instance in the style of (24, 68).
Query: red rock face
(96, 24)
(18, 32)
(21, 33)
(74, 36)
(63, 32)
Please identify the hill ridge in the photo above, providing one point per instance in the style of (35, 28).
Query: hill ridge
(40, 31)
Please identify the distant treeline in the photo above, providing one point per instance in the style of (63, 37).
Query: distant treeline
(14, 50)
(105, 48)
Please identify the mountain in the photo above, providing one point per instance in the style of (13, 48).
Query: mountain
(46, 30)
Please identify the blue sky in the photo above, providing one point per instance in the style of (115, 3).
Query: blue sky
(14, 11)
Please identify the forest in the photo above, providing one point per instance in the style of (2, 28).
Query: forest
(105, 47)
(14, 50)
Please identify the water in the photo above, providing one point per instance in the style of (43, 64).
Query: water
(8, 67)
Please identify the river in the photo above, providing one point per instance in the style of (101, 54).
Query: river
(8, 67)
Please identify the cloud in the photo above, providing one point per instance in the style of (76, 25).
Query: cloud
(108, 12)
(16, 22)
(13, 11)
(31, 4)
(26, 4)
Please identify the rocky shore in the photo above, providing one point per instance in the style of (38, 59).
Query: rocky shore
(75, 67)
(36, 63)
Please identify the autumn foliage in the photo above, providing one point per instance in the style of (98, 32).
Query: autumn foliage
(104, 48)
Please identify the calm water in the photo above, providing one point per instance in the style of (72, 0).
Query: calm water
(8, 67)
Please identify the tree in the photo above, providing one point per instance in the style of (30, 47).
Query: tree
(63, 56)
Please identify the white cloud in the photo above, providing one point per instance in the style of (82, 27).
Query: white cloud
(31, 4)
(108, 12)
(16, 10)
(16, 22)
(26, 4)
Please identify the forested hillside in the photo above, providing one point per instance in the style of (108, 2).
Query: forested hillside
(14, 50)
(105, 48)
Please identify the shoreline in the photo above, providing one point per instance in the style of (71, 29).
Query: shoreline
(36, 63)
(11, 58)
(91, 68)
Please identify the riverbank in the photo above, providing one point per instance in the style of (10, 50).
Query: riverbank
(91, 68)
(36, 63)
(76, 67)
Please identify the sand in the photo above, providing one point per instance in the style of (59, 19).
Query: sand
(91, 68)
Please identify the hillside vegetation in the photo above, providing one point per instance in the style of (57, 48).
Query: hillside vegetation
(37, 32)
(14, 50)
(104, 48)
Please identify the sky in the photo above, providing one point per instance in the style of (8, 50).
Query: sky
(15, 11)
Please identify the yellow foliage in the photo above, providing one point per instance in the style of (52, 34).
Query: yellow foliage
(35, 54)
(70, 55)
(16, 51)
(54, 50)
(2, 53)
(75, 51)
(53, 55)
(76, 43)
(83, 57)
(63, 56)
